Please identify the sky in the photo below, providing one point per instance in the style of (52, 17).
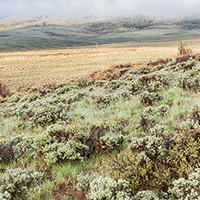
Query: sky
(99, 7)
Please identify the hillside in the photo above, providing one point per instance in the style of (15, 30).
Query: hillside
(122, 133)
(40, 34)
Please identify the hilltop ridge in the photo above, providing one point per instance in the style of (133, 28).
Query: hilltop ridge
(46, 33)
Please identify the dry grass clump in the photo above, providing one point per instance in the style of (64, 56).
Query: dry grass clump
(182, 50)
(4, 91)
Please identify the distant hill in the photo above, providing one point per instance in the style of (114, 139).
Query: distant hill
(45, 33)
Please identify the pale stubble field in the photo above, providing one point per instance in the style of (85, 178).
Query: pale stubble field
(35, 68)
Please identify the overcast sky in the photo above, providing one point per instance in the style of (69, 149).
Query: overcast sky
(100, 7)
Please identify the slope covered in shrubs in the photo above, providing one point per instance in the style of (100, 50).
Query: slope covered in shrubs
(125, 133)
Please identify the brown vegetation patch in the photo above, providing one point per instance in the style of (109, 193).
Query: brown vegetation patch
(71, 192)
(4, 91)
(158, 62)
(182, 50)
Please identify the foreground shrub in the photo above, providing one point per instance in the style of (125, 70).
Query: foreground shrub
(52, 151)
(148, 99)
(155, 162)
(8, 150)
(151, 83)
(189, 80)
(110, 142)
(151, 118)
(103, 101)
(114, 84)
(152, 146)
(104, 188)
(57, 131)
(146, 195)
(16, 183)
(183, 155)
(187, 188)
(86, 82)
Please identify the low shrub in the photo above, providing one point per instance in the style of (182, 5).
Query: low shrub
(30, 98)
(146, 195)
(52, 151)
(104, 188)
(16, 183)
(14, 98)
(86, 83)
(58, 132)
(152, 146)
(186, 188)
(8, 150)
(148, 99)
(100, 83)
(155, 162)
(110, 142)
(150, 82)
(114, 84)
(103, 101)
(189, 81)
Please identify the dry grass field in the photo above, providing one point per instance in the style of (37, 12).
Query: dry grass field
(35, 68)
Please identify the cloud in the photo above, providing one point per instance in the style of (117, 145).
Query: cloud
(155, 7)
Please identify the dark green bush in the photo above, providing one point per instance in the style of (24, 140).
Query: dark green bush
(86, 83)
(189, 81)
(8, 150)
(155, 162)
(148, 99)
(103, 101)
(100, 83)
(30, 98)
(114, 84)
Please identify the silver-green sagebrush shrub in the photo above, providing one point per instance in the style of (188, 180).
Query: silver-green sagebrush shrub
(146, 195)
(14, 98)
(104, 188)
(152, 146)
(157, 111)
(159, 130)
(86, 83)
(146, 122)
(61, 89)
(148, 99)
(84, 181)
(70, 151)
(9, 150)
(110, 141)
(187, 189)
(16, 183)
(43, 110)
(30, 98)
(152, 118)
(72, 143)
(151, 83)
(190, 64)
(189, 80)
(103, 101)
(114, 84)
(53, 151)
(100, 83)
(57, 131)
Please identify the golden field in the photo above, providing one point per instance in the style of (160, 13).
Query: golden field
(34, 68)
